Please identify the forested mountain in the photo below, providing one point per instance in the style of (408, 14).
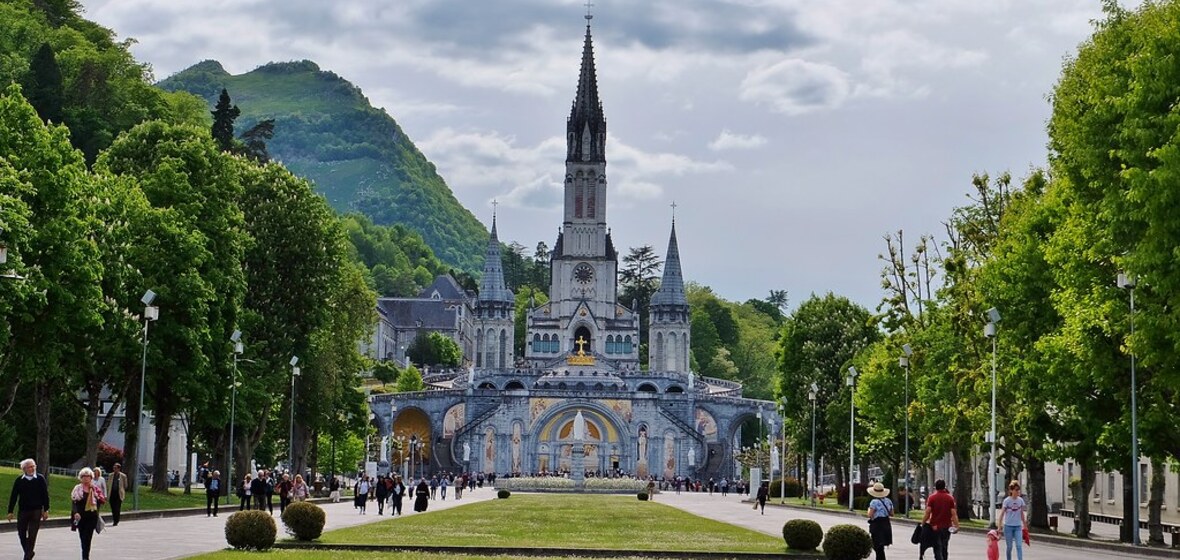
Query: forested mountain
(357, 155)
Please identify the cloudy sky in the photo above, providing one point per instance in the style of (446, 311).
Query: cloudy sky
(791, 134)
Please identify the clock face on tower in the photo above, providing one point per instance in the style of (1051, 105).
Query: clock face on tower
(584, 273)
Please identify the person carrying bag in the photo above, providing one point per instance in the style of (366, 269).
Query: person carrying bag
(880, 527)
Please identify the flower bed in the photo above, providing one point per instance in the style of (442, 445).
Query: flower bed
(536, 483)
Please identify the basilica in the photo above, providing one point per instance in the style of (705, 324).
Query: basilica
(579, 381)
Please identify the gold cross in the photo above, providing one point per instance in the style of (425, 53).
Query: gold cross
(581, 342)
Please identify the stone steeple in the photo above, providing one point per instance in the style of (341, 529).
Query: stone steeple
(492, 287)
(586, 127)
(671, 290)
(670, 324)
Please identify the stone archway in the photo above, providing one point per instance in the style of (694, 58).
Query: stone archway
(412, 437)
(605, 444)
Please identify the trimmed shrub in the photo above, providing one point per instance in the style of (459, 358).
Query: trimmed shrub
(642, 496)
(861, 502)
(802, 534)
(847, 542)
(304, 520)
(250, 530)
(503, 494)
(793, 487)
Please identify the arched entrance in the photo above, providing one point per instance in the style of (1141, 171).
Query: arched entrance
(411, 441)
(602, 442)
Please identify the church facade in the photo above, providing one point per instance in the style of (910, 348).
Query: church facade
(580, 370)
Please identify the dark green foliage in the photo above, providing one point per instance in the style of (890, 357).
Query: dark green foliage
(250, 530)
(254, 140)
(802, 534)
(358, 157)
(400, 262)
(503, 494)
(304, 521)
(847, 542)
(385, 372)
(638, 280)
(642, 496)
(861, 502)
(224, 116)
(434, 349)
(43, 87)
(794, 488)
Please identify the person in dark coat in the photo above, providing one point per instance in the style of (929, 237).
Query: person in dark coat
(212, 492)
(382, 491)
(397, 493)
(258, 491)
(31, 490)
(421, 495)
(763, 494)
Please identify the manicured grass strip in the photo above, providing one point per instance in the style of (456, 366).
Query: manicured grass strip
(562, 521)
(60, 487)
(339, 555)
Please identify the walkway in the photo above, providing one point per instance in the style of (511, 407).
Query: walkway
(964, 546)
(181, 537)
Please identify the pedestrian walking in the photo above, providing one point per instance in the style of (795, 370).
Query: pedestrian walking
(382, 492)
(421, 496)
(299, 490)
(993, 545)
(942, 517)
(880, 527)
(258, 491)
(116, 492)
(283, 489)
(361, 496)
(87, 498)
(1015, 522)
(397, 494)
(32, 493)
(243, 492)
(334, 489)
(763, 494)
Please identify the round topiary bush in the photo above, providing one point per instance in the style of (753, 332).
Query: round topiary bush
(847, 542)
(642, 496)
(802, 534)
(250, 530)
(503, 494)
(304, 521)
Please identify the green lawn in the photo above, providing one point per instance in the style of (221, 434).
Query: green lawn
(340, 555)
(566, 521)
(60, 487)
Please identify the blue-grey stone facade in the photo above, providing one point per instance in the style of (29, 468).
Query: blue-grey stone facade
(515, 414)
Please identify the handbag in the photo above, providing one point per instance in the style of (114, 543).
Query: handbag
(100, 526)
(917, 538)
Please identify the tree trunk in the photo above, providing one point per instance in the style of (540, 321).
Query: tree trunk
(43, 396)
(93, 406)
(1039, 508)
(1155, 527)
(962, 488)
(188, 454)
(1129, 504)
(314, 459)
(163, 423)
(1082, 500)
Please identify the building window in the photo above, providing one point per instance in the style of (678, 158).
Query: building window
(627, 344)
(1143, 483)
(1110, 486)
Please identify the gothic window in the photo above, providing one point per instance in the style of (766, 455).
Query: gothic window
(627, 345)
(659, 357)
(610, 344)
(579, 194)
(503, 349)
(537, 347)
(490, 349)
(592, 201)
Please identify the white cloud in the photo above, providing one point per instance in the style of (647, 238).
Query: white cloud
(730, 141)
(795, 86)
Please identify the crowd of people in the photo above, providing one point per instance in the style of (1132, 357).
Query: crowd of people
(389, 489)
(30, 499)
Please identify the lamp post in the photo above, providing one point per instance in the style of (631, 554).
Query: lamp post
(811, 395)
(852, 373)
(413, 446)
(236, 338)
(1128, 283)
(291, 441)
(989, 330)
(150, 313)
(904, 361)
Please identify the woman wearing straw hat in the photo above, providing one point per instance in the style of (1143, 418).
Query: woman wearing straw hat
(880, 528)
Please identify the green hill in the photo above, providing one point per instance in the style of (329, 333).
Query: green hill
(357, 155)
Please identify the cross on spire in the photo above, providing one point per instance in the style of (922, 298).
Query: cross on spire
(589, 5)
(495, 203)
(673, 211)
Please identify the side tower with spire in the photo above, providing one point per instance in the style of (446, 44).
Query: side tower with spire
(494, 311)
(669, 319)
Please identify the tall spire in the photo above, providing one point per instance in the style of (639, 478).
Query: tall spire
(492, 287)
(586, 127)
(671, 290)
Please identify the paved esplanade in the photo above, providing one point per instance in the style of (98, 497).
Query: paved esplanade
(964, 546)
(181, 537)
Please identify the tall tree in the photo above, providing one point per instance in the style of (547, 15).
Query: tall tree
(224, 115)
(255, 138)
(43, 87)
